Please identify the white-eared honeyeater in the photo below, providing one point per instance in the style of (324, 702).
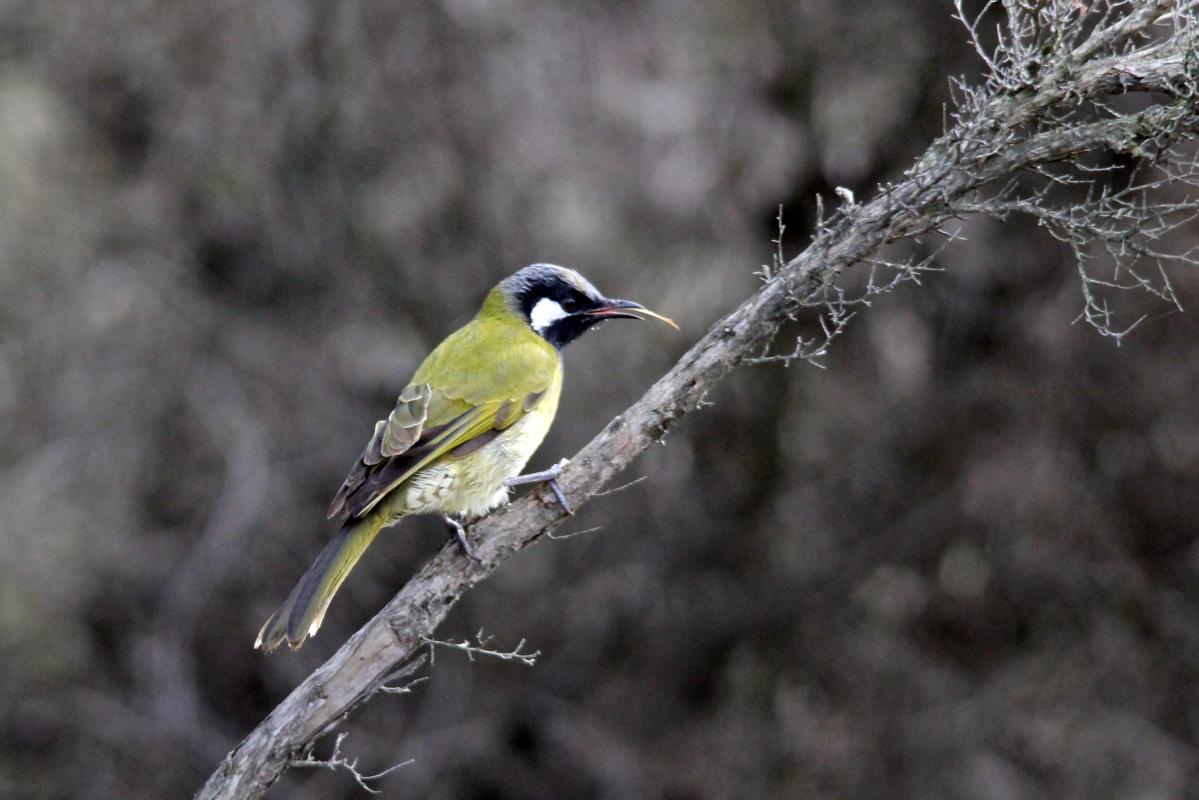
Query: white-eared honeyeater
(461, 431)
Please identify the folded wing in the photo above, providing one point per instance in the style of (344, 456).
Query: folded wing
(426, 424)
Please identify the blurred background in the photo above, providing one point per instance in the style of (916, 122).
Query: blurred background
(960, 562)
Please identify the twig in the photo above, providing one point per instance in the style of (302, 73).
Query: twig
(337, 761)
(483, 648)
(622, 487)
(404, 688)
(559, 536)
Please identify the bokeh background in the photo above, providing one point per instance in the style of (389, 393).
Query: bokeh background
(960, 562)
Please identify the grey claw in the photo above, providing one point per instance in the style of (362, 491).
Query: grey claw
(561, 498)
(459, 534)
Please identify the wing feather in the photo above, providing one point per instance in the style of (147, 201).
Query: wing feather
(392, 437)
(454, 418)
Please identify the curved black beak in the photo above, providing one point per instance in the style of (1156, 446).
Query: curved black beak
(627, 309)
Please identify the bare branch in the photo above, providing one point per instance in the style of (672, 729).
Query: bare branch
(1043, 112)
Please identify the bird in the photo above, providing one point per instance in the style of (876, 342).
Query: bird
(461, 431)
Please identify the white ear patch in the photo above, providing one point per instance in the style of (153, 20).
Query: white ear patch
(545, 313)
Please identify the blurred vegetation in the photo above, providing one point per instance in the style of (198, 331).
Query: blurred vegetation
(959, 563)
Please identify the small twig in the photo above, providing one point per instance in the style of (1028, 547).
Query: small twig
(337, 761)
(622, 487)
(777, 259)
(415, 663)
(559, 536)
(483, 648)
(403, 689)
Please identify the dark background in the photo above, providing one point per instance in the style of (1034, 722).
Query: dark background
(960, 562)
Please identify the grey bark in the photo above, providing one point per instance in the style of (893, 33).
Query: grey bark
(1005, 133)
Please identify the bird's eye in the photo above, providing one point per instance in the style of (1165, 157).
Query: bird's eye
(570, 305)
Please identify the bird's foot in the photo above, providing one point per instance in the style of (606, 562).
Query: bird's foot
(550, 478)
(459, 534)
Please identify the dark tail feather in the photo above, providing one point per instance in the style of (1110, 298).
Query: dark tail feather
(304, 609)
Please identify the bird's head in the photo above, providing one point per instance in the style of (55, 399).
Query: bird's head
(560, 304)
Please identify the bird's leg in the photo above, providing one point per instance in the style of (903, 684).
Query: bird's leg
(459, 534)
(548, 477)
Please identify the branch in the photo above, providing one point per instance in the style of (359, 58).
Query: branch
(1023, 119)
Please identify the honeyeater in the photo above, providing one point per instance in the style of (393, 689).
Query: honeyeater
(461, 431)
